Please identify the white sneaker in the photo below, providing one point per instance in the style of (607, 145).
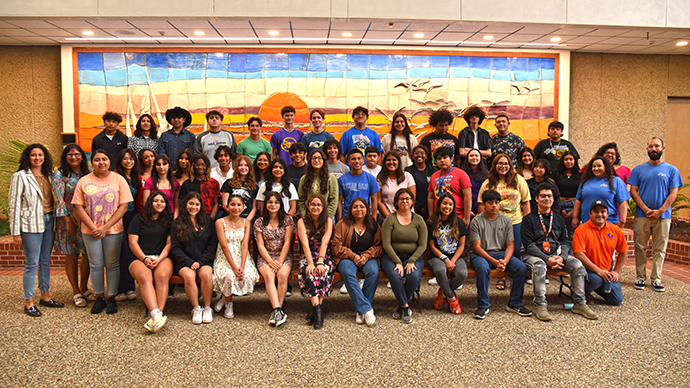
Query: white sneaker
(207, 315)
(229, 311)
(388, 284)
(547, 280)
(359, 319)
(219, 305)
(529, 281)
(343, 289)
(361, 283)
(370, 318)
(433, 282)
(196, 315)
(460, 287)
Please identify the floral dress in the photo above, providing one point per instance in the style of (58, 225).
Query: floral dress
(63, 191)
(224, 279)
(316, 284)
(273, 240)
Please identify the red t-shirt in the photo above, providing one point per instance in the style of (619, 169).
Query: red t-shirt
(454, 182)
(599, 244)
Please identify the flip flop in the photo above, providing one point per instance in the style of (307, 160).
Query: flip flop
(89, 295)
(79, 300)
(501, 284)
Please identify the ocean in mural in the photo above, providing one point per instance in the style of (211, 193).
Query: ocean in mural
(242, 85)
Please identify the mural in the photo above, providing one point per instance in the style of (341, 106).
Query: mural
(245, 84)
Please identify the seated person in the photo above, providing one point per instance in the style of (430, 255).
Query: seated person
(491, 234)
(594, 243)
(545, 238)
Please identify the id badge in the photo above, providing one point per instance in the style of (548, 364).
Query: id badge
(546, 246)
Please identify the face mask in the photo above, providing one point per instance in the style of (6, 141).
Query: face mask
(655, 155)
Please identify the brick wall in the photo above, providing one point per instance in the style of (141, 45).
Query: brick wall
(676, 251)
(12, 256)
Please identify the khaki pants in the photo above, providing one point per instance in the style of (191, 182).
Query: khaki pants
(658, 229)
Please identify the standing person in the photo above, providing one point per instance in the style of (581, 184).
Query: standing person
(223, 156)
(421, 172)
(184, 166)
(447, 234)
(194, 242)
(504, 141)
(567, 177)
(525, 159)
(263, 159)
(541, 172)
(128, 168)
(600, 183)
(400, 139)
(391, 179)
(334, 153)
(202, 183)
(553, 148)
(450, 179)
(111, 139)
(315, 267)
(234, 272)
(274, 236)
(31, 220)
(162, 180)
(68, 242)
(296, 170)
(243, 185)
(360, 136)
(475, 167)
(318, 136)
(318, 180)
(472, 136)
(101, 199)
(254, 144)
(146, 161)
(610, 152)
(404, 235)
(653, 186)
(208, 141)
(594, 244)
(547, 246)
(172, 142)
(145, 135)
(372, 155)
(149, 241)
(441, 121)
(356, 245)
(278, 181)
(357, 183)
(494, 247)
(285, 137)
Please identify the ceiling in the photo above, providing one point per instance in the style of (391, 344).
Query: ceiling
(310, 31)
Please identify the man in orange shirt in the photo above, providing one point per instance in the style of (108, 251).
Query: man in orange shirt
(594, 243)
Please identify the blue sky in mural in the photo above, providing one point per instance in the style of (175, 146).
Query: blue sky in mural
(121, 69)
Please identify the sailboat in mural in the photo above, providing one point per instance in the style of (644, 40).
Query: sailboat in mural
(147, 99)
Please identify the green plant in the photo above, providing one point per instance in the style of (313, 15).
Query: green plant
(9, 160)
(631, 208)
(681, 202)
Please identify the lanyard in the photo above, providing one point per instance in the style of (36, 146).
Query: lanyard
(441, 179)
(541, 219)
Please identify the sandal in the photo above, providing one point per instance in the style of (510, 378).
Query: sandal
(89, 295)
(440, 300)
(454, 305)
(79, 300)
(501, 284)
(131, 295)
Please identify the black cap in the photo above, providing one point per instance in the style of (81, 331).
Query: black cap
(597, 203)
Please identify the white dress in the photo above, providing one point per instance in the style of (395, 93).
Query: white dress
(224, 279)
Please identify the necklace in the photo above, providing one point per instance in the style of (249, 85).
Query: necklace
(557, 145)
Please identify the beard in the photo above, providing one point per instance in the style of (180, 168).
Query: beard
(655, 155)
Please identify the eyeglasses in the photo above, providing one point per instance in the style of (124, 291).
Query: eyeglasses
(405, 199)
(545, 196)
(316, 158)
(77, 155)
(316, 204)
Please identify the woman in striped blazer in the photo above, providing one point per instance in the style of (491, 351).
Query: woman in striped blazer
(31, 221)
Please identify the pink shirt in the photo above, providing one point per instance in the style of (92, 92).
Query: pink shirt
(168, 193)
(391, 187)
(101, 198)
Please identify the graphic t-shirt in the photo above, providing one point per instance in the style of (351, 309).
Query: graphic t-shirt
(101, 198)
(445, 242)
(553, 151)
(315, 140)
(246, 194)
(338, 169)
(511, 199)
(352, 186)
(209, 190)
(434, 142)
(509, 144)
(282, 140)
(654, 182)
(453, 182)
(354, 138)
(400, 146)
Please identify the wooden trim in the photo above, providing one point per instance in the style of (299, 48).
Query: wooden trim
(75, 90)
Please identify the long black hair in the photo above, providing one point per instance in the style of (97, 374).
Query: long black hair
(165, 217)
(178, 172)
(65, 169)
(310, 176)
(369, 222)
(453, 219)
(153, 134)
(482, 170)
(608, 168)
(155, 178)
(257, 173)
(407, 132)
(284, 181)
(134, 179)
(183, 223)
(384, 174)
(266, 217)
(560, 168)
(25, 160)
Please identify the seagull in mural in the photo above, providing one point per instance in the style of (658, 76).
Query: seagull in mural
(502, 102)
(389, 118)
(417, 126)
(426, 89)
(427, 102)
(408, 85)
(526, 86)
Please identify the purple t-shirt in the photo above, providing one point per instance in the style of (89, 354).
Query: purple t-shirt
(282, 140)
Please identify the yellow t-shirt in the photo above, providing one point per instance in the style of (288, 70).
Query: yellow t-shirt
(511, 199)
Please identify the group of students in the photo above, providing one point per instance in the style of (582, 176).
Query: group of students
(153, 217)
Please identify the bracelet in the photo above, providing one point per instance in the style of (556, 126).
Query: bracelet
(320, 263)
(444, 258)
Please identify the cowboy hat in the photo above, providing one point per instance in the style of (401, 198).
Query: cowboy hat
(178, 112)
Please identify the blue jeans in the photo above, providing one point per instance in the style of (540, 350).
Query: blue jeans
(361, 298)
(595, 283)
(518, 238)
(126, 283)
(104, 252)
(405, 286)
(483, 269)
(37, 250)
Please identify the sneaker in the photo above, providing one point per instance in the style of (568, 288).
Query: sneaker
(281, 317)
(219, 305)
(361, 283)
(407, 315)
(121, 297)
(369, 318)
(459, 287)
(207, 315)
(272, 317)
(359, 319)
(229, 310)
(519, 310)
(196, 315)
(99, 306)
(529, 281)
(110, 306)
(542, 313)
(585, 311)
(658, 287)
(388, 284)
(433, 282)
(640, 284)
(288, 293)
(548, 281)
(481, 313)
(343, 289)
(398, 313)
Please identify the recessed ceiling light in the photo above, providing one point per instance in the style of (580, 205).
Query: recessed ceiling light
(488, 37)
(555, 39)
(87, 32)
(124, 32)
(418, 35)
(346, 34)
(199, 33)
(273, 33)
(682, 43)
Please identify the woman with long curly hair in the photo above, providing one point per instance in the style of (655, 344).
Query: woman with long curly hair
(145, 135)
(202, 183)
(401, 139)
(600, 183)
(318, 180)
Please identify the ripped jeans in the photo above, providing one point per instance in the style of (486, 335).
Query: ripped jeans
(571, 265)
